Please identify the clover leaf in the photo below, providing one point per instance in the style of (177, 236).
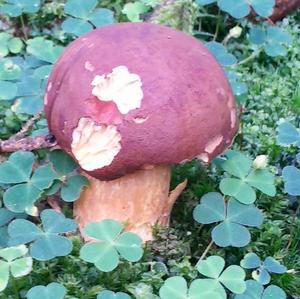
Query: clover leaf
(176, 288)
(84, 17)
(15, 8)
(262, 269)
(112, 243)
(8, 43)
(232, 278)
(272, 39)
(242, 8)
(52, 290)
(43, 49)
(233, 217)
(239, 88)
(12, 261)
(28, 188)
(245, 179)
(112, 295)
(70, 185)
(133, 10)
(291, 178)
(288, 134)
(256, 291)
(221, 53)
(31, 90)
(47, 243)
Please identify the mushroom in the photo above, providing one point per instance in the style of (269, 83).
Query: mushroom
(129, 100)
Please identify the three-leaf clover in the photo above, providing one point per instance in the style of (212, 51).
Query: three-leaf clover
(43, 49)
(112, 295)
(27, 187)
(6, 216)
(47, 243)
(112, 243)
(245, 179)
(262, 269)
(12, 261)
(70, 185)
(8, 43)
(288, 134)
(221, 53)
(133, 10)
(256, 291)
(176, 288)
(9, 71)
(291, 178)
(84, 17)
(233, 217)
(15, 8)
(232, 278)
(272, 39)
(51, 291)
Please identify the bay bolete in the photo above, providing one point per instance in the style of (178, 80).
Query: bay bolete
(127, 101)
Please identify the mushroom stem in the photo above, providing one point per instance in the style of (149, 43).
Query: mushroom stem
(140, 199)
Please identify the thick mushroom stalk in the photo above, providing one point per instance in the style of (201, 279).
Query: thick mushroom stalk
(140, 199)
(129, 100)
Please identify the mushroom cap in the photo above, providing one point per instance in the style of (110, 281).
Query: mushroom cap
(132, 95)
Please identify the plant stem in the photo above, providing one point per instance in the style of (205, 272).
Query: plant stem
(252, 56)
(23, 27)
(206, 251)
(15, 287)
(293, 229)
(217, 27)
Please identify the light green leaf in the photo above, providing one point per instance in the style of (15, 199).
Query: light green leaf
(133, 10)
(238, 189)
(239, 165)
(62, 162)
(43, 177)
(17, 168)
(262, 180)
(80, 9)
(102, 17)
(211, 267)
(76, 27)
(233, 278)
(51, 291)
(4, 275)
(71, 190)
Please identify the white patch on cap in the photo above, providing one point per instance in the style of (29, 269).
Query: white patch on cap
(46, 99)
(88, 66)
(121, 87)
(203, 157)
(95, 146)
(233, 118)
(49, 87)
(213, 144)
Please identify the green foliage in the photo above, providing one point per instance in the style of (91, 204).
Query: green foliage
(12, 261)
(221, 53)
(84, 17)
(242, 8)
(245, 179)
(256, 291)
(262, 64)
(176, 288)
(111, 244)
(232, 278)
(15, 8)
(8, 44)
(271, 39)
(263, 269)
(233, 217)
(111, 295)
(51, 291)
(47, 243)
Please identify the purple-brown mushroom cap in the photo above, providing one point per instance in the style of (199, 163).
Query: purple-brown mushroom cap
(133, 95)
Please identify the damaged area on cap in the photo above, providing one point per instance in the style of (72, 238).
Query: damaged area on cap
(121, 87)
(95, 146)
(213, 144)
(88, 66)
